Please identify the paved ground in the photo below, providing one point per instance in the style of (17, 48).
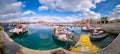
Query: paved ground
(9, 44)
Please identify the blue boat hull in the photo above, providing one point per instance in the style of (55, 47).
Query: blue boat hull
(98, 38)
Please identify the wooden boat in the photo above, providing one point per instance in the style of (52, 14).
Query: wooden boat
(19, 30)
(97, 34)
(86, 28)
(62, 36)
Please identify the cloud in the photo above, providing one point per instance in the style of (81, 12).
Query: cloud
(82, 6)
(43, 8)
(28, 12)
(116, 12)
(10, 9)
(90, 14)
(98, 1)
(70, 5)
(47, 18)
(17, 4)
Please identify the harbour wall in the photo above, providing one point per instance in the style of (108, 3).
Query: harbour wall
(111, 27)
(8, 44)
(114, 47)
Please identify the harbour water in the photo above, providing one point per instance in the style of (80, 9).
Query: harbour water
(39, 37)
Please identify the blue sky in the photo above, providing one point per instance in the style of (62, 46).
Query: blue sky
(57, 10)
(104, 7)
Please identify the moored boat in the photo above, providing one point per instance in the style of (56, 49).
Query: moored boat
(63, 36)
(86, 28)
(19, 29)
(97, 34)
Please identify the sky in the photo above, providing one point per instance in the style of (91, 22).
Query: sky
(57, 10)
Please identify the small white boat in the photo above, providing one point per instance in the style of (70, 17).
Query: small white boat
(19, 30)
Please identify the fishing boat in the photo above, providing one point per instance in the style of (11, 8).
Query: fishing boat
(97, 34)
(86, 28)
(19, 29)
(63, 36)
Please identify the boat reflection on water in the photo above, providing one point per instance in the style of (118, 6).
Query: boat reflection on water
(18, 36)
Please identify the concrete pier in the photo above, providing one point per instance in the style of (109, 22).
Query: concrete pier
(8, 44)
(111, 27)
(112, 48)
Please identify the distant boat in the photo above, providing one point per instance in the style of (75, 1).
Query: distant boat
(97, 34)
(19, 29)
(86, 28)
(63, 36)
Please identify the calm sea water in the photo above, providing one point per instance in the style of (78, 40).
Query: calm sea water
(39, 37)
